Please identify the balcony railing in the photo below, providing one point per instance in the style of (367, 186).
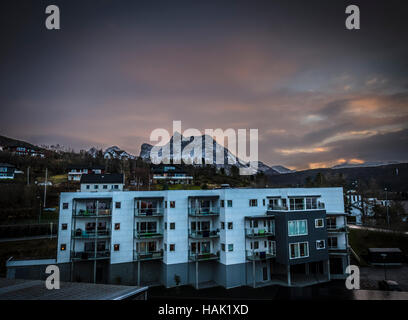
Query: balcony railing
(260, 254)
(204, 211)
(336, 228)
(150, 255)
(84, 234)
(259, 233)
(204, 234)
(275, 207)
(296, 207)
(204, 256)
(90, 255)
(149, 212)
(148, 234)
(92, 213)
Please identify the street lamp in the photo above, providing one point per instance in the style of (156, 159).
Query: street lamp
(384, 255)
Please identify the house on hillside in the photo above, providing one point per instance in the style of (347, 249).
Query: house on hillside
(75, 172)
(7, 171)
(23, 151)
(170, 174)
(102, 182)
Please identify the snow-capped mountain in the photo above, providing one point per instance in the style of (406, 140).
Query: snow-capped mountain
(207, 143)
(365, 164)
(113, 152)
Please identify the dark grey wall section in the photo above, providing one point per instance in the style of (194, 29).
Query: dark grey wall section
(283, 240)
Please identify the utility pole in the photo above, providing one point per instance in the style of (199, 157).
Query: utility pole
(28, 176)
(45, 186)
(386, 204)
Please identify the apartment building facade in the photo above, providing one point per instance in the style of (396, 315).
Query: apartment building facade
(228, 237)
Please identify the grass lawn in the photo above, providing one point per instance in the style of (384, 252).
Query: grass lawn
(60, 178)
(29, 249)
(361, 240)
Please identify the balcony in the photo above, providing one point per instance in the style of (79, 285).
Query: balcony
(204, 211)
(338, 250)
(259, 233)
(336, 228)
(204, 234)
(149, 212)
(90, 255)
(275, 207)
(296, 207)
(83, 234)
(260, 255)
(148, 234)
(204, 256)
(92, 213)
(150, 255)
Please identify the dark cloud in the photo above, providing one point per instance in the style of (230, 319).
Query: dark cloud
(117, 70)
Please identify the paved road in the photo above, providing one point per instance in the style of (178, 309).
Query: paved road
(27, 238)
(376, 229)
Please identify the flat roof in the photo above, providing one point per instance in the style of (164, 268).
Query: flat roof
(18, 289)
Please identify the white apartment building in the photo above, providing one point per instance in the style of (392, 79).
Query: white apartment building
(228, 237)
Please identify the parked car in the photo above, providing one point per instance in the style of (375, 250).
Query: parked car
(389, 285)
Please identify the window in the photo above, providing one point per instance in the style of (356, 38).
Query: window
(165, 204)
(96, 186)
(165, 226)
(253, 203)
(117, 205)
(65, 205)
(229, 203)
(172, 225)
(319, 223)
(63, 247)
(230, 225)
(165, 247)
(255, 224)
(332, 242)
(117, 226)
(172, 204)
(116, 247)
(255, 245)
(263, 202)
(320, 244)
(172, 247)
(297, 228)
(222, 225)
(88, 186)
(231, 247)
(222, 203)
(64, 226)
(311, 203)
(116, 187)
(223, 246)
(296, 204)
(299, 250)
(105, 186)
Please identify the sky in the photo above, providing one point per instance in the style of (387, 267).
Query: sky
(319, 94)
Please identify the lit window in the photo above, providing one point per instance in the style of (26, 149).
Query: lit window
(319, 223)
(299, 250)
(172, 247)
(116, 247)
(172, 204)
(117, 226)
(63, 247)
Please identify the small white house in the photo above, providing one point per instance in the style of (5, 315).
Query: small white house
(102, 182)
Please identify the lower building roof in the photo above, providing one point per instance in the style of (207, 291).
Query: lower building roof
(17, 289)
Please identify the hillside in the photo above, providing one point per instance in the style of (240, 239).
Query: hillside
(6, 141)
(394, 177)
